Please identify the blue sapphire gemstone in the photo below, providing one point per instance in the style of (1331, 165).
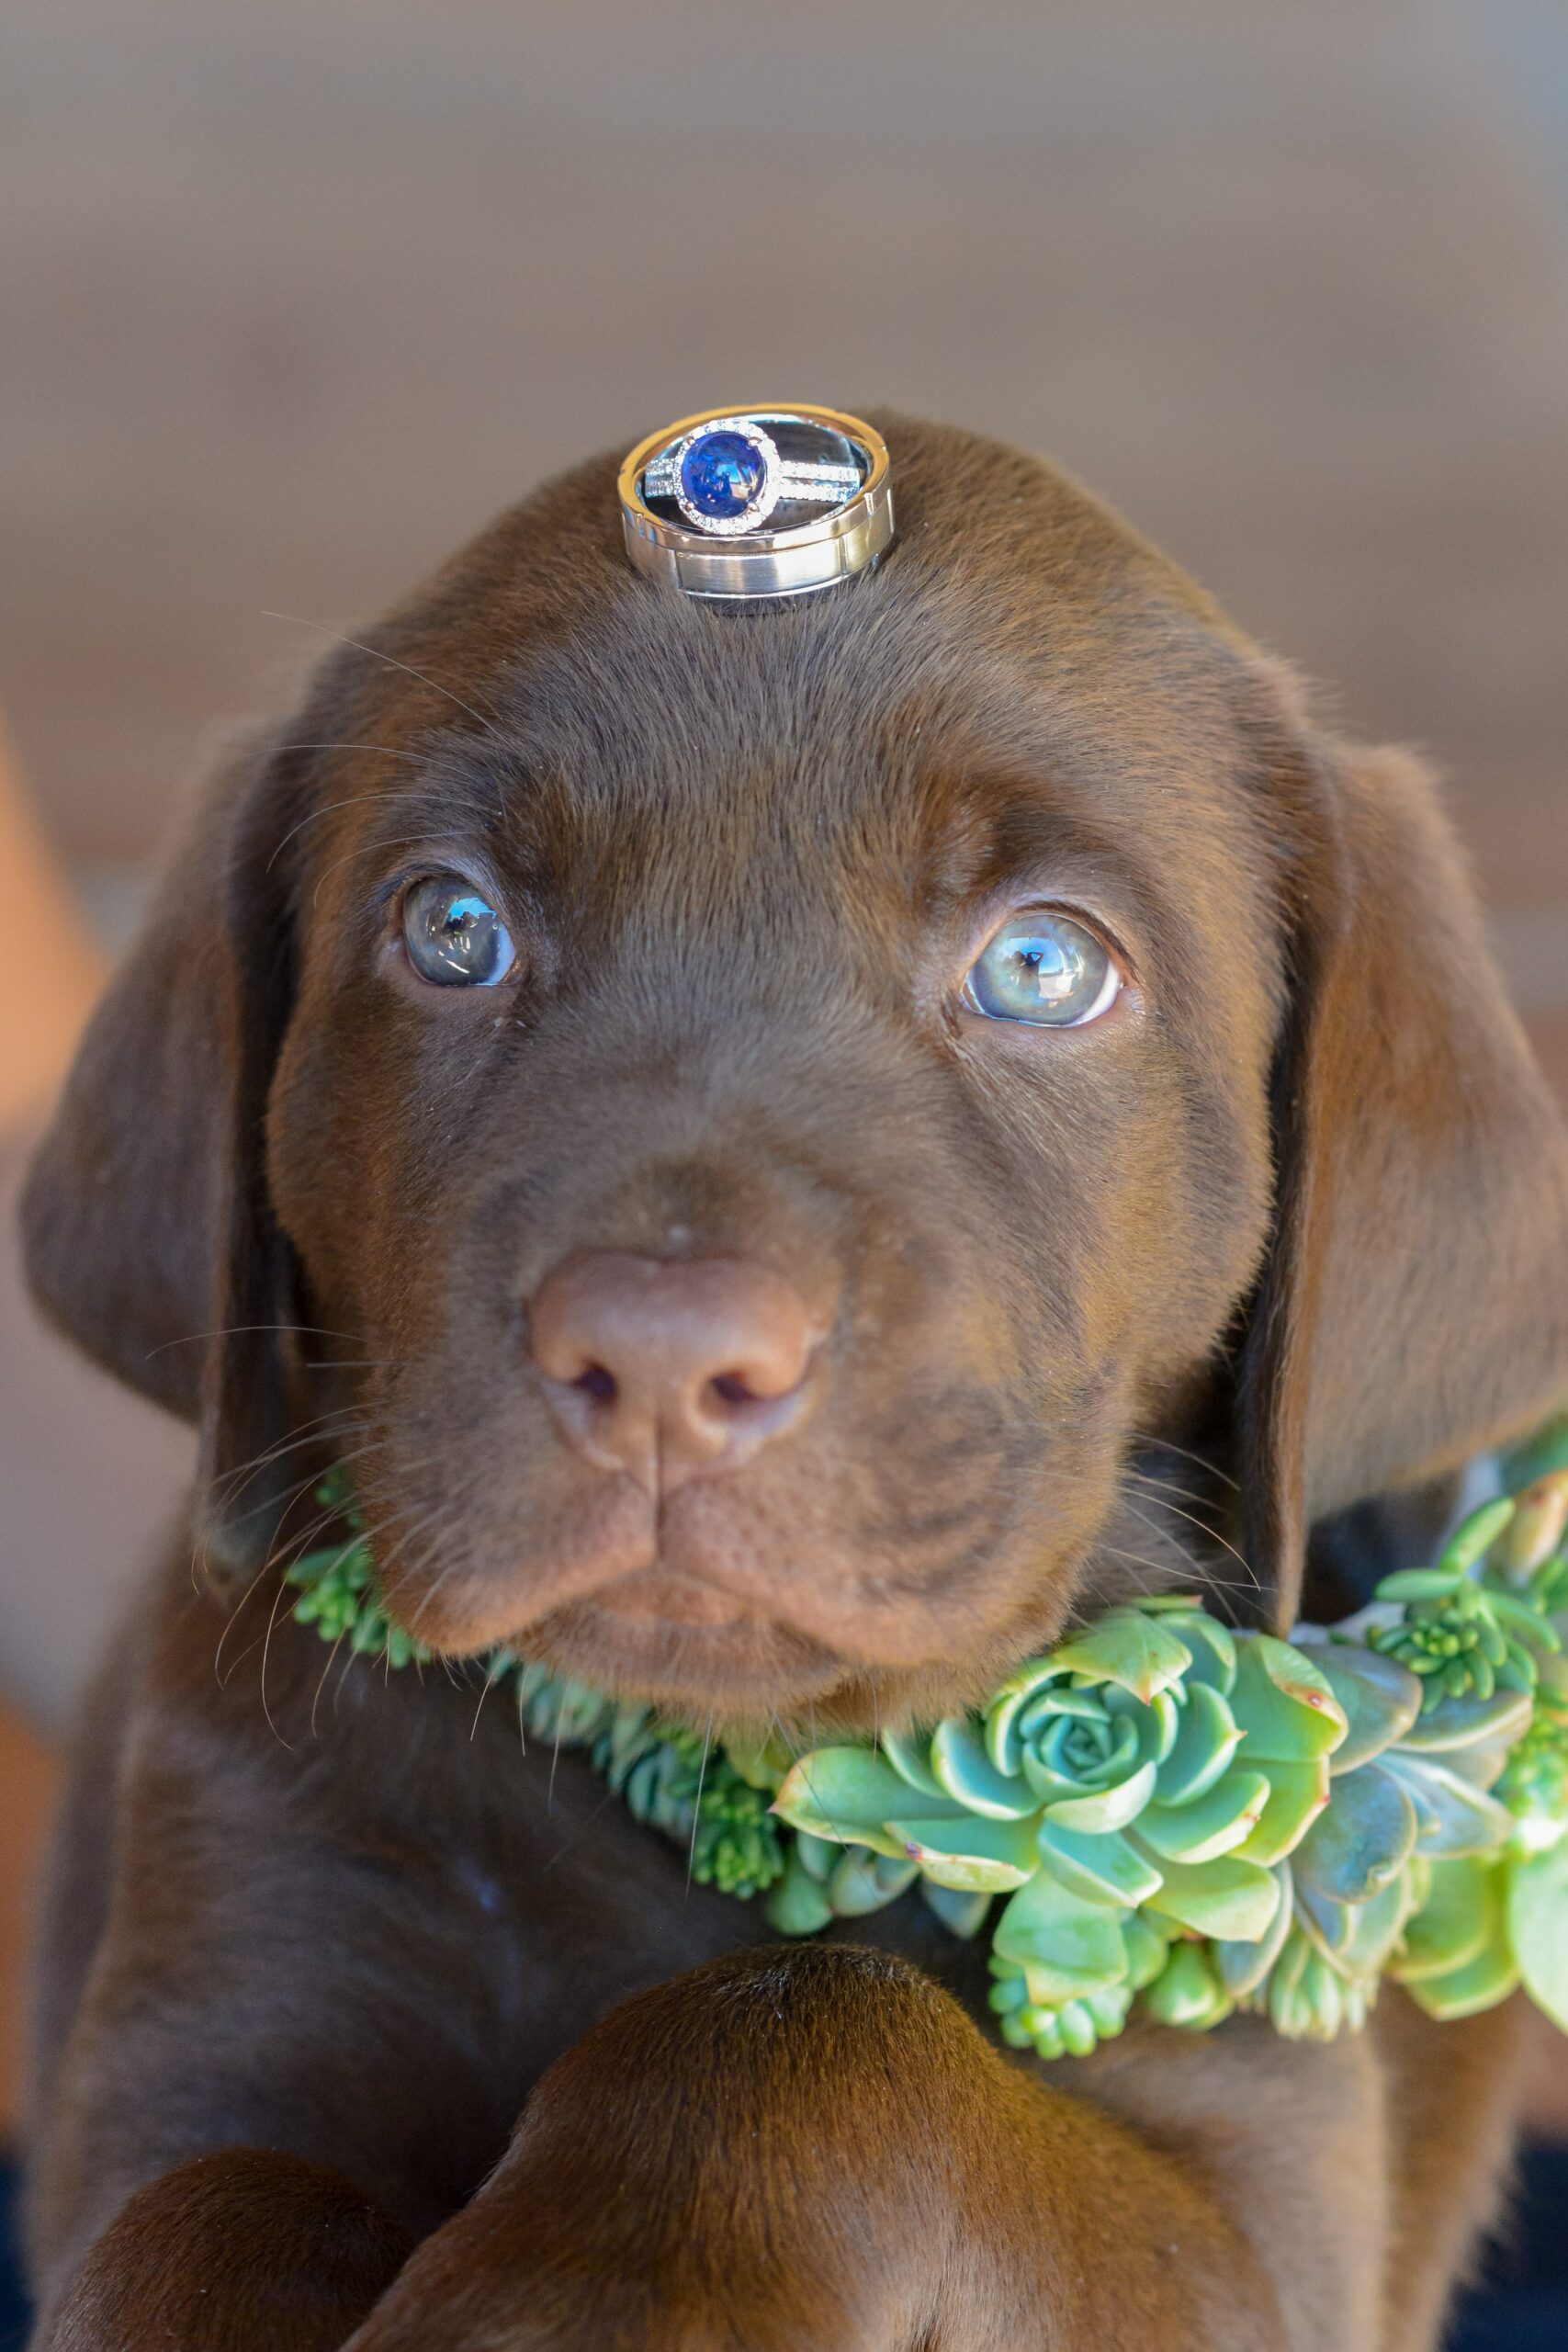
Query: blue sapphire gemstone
(721, 474)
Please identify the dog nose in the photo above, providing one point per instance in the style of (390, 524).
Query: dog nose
(670, 1370)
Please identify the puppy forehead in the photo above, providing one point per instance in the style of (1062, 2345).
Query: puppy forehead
(1018, 649)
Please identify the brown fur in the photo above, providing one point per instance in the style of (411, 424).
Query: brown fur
(1294, 1215)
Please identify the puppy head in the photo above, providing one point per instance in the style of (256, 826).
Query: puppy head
(575, 1074)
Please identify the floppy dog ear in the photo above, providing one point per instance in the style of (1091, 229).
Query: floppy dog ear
(1414, 1303)
(146, 1224)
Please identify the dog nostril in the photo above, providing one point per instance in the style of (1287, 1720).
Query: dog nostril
(733, 1388)
(598, 1383)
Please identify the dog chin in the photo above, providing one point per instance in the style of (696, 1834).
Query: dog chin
(663, 1631)
(699, 1656)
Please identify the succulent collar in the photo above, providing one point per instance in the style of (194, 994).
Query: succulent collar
(1178, 1814)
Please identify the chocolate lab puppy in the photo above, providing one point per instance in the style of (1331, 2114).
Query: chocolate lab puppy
(566, 1078)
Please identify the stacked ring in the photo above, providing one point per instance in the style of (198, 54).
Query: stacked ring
(720, 504)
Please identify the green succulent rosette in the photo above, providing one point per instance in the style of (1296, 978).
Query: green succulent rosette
(1171, 1813)
(1202, 1821)
(1133, 1794)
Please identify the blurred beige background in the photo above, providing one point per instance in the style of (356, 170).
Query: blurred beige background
(295, 295)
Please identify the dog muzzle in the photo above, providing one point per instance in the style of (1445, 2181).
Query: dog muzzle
(770, 502)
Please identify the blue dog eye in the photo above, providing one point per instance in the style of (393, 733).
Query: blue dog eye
(1044, 969)
(453, 936)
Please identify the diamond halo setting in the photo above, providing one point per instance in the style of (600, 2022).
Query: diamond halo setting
(765, 502)
(727, 478)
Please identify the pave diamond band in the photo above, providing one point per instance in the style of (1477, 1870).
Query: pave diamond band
(816, 485)
(738, 480)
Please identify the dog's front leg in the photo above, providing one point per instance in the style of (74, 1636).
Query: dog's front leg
(227, 2249)
(814, 2149)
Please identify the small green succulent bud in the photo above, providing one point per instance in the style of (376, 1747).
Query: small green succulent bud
(1188, 1990)
(1066, 2028)
(1533, 1783)
(1462, 1636)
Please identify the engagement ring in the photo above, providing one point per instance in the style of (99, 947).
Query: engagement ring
(731, 504)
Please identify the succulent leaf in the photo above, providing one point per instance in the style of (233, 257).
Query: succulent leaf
(1538, 1927)
(911, 1759)
(977, 1855)
(963, 1771)
(1536, 1530)
(1214, 1650)
(1098, 1812)
(1206, 1738)
(862, 1882)
(1481, 1985)
(1362, 1842)
(1092, 1757)
(1297, 1794)
(1375, 1929)
(819, 1856)
(1467, 1722)
(1098, 1869)
(1189, 1990)
(1451, 1816)
(1283, 1704)
(961, 1913)
(1476, 1533)
(1381, 1699)
(1129, 1647)
(797, 1905)
(1146, 1948)
(1324, 1922)
(1480, 1982)
(1420, 1584)
(1480, 1765)
(1243, 1966)
(1003, 1741)
(1321, 1995)
(850, 1793)
(1065, 1946)
(1228, 1898)
(1289, 2005)
(1211, 1824)
(1355, 1939)
(1527, 1620)
(1453, 1924)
